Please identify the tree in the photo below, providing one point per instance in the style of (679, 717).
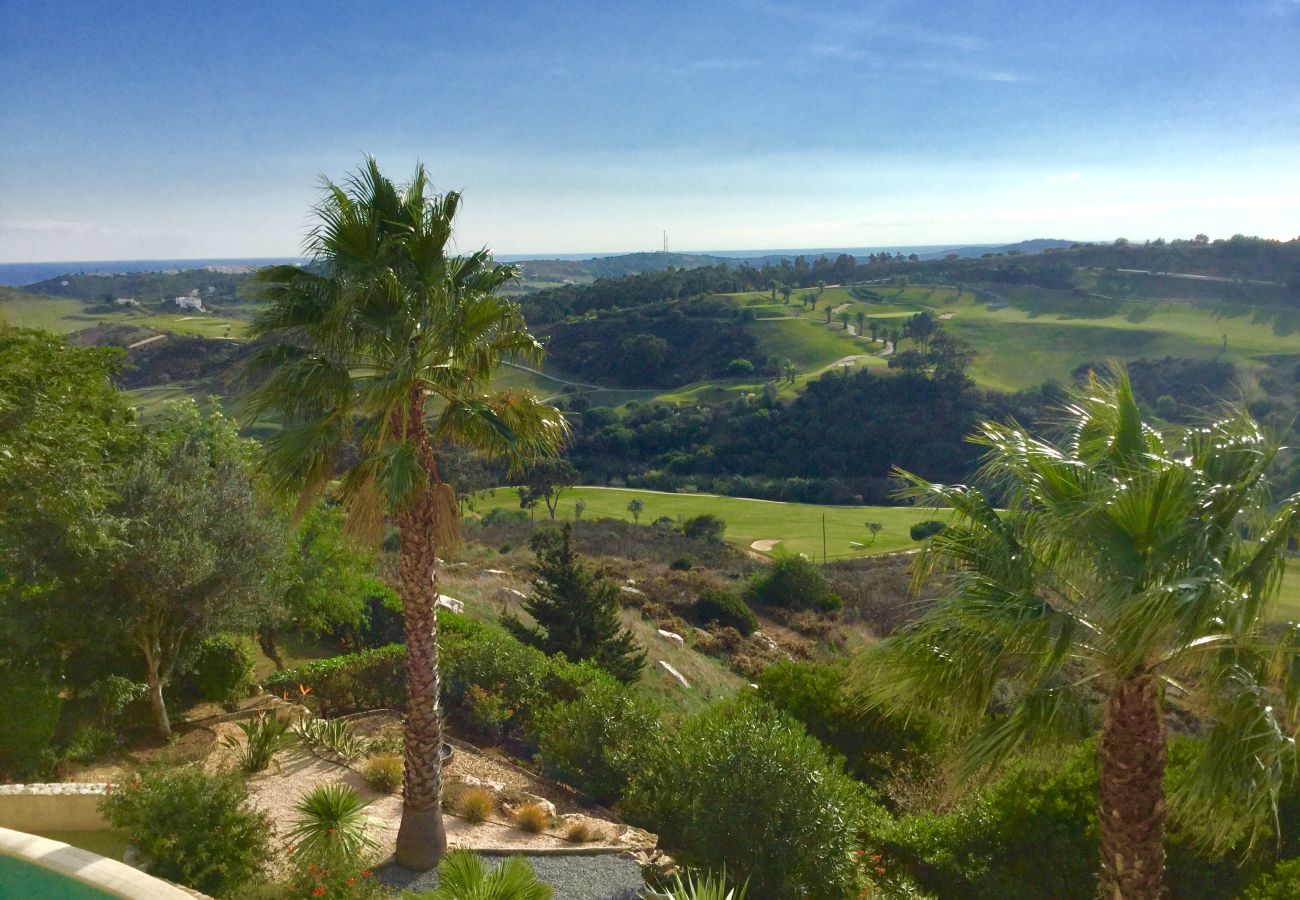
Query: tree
(546, 480)
(860, 317)
(774, 285)
(821, 288)
(829, 312)
(921, 328)
(635, 506)
(875, 327)
(579, 507)
(1123, 562)
(194, 550)
(786, 291)
(327, 583)
(790, 371)
(875, 528)
(844, 320)
(354, 346)
(576, 610)
(910, 361)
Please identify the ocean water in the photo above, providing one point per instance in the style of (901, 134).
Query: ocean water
(19, 274)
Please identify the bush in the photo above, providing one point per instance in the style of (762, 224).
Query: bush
(475, 805)
(666, 524)
(725, 608)
(743, 789)
(191, 827)
(580, 833)
(384, 773)
(793, 582)
(705, 527)
(119, 700)
(873, 742)
(499, 515)
(682, 564)
(31, 714)
(741, 367)
(223, 668)
(1283, 883)
(332, 735)
(531, 818)
(922, 530)
(264, 737)
(597, 742)
(90, 743)
(462, 874)
(371, 679)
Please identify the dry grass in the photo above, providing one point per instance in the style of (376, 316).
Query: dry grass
(580, 833)
(531, 818)
(475, 805)
(384, 773)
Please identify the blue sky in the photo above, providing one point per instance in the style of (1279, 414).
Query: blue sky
(157, 130)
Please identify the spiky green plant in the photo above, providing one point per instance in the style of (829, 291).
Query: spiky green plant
(264, 737)
(386, 346)
(705, 887)
(1125, 567)
(331, 815)
(334, 735)
(462, 874)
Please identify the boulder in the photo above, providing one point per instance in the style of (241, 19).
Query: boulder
(510, 595)
(495, 572)
(670, 636)
(451, 603)
(631, 590)
(677, 676)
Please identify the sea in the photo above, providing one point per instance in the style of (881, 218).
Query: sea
(20, 274)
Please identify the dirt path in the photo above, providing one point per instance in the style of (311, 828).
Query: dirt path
(148, 340)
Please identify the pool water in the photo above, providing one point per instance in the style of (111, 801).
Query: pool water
(21, 880)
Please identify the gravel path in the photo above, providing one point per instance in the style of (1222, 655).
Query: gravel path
(606, 877)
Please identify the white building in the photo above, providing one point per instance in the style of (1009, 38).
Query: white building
(189, 302)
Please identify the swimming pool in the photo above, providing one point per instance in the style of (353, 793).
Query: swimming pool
(37, 868)
(22, 880)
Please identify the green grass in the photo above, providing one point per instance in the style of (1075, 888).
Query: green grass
(51, 314)
(797, 525)
(64, 316)
(1288, 599)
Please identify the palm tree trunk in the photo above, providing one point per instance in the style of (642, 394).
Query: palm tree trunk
(1132, 813)
(421, 838)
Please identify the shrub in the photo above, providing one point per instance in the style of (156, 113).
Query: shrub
(475, 805)
(872, 741)
(682, 564)
(666, 524)
(500, 515)
(90, 743)
(725, 608)
(264, 737)
(333, 735)
(793, 582)
(1283, 883)
(462, 874)
(705, 887)
(580, 832)
(223, 668)
(486, 714)
(330, 871)
(922, 530)
(705, 527)
(531, 818)
(596, 743)
(31, 714)
(384, 773)
(745, 790)
(116, 696)
(741, 367)
(191, 827)
(329, 816)
(371, 679)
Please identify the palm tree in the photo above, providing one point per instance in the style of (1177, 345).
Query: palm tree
(635, 506)
(844, 320)
(860, 317)
(354, 348)
(463, 874)
(1126, 567)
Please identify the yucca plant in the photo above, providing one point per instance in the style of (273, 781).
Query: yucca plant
(463, 875)
(334, 735)
(704, 887)
(1124, 568)
(331, 816)
(354, 348)
(264, 737)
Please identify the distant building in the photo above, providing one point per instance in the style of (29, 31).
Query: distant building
(189, 302)
(125, 301)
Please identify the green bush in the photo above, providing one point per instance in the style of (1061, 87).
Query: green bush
(223, 668)
(31, 714)
(922, 530)
(499, 515)
(371, 679)
(1283, 883)
(1033, 834)
(744, 790)
(192, 827)
(873, 742)
(120, 701)
(725, 608)
(682, 564)
(793, 582)
(596, 743)
(705, 527)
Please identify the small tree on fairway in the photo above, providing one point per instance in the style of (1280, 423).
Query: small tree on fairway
(874, 528)
(576, 609)
(635, 506)
(786, 291)
(579, 507)
(546, 480)
(860, 317)
(874, 326)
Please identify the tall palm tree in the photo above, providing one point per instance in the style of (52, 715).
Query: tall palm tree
(386, 345)
(1125, 570)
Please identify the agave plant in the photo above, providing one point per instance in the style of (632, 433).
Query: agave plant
(334, 735)
(707, 887)
(264, 737)
(331, 816)
(462, 874)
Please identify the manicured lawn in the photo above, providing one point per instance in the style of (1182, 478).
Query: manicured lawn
(798, 526)
(51, 314)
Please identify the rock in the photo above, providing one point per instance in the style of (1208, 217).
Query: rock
(631, 590)
(456, 786)
(513, 798)
(451, 603)
(510, 595)
(675, 638)
(495, 572)
(681, 679)
(766, 641)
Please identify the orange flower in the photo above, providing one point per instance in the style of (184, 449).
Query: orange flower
(365, 873)
(880, 870)
(352, 881)
(875, 857)
(318, 891)
(304, 690)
